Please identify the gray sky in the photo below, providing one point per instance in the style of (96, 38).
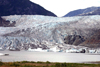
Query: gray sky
(62, 7)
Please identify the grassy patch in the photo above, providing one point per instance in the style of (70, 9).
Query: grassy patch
(45, 64)
(27, 65)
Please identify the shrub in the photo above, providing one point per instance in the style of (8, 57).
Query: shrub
(33, 62)
(57, 65)
(1, 63)
(47, 62)
(63, 65)
(14, 64)
(25, 62)
(40, 62)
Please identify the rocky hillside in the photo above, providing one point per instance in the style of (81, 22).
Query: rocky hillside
(95, 12)
(93, 41)
(22, 7)
(84, 12)
(35, 31)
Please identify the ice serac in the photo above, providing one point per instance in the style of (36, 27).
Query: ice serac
(35, 31)
(22, 7)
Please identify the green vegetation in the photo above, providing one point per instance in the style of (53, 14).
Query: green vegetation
(1, 63)
(45, 64)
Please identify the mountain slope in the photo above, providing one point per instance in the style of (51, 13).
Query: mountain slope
(22, 7)
(83, 12)
(95, 12)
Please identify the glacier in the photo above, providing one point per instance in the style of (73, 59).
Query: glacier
(37, 31)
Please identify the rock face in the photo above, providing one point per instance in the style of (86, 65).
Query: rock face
(93, 41)
(84, 12)
(74, 39)
(35, 31)
(22, 7)
(6, 23)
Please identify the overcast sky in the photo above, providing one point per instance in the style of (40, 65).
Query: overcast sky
(62, 7)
